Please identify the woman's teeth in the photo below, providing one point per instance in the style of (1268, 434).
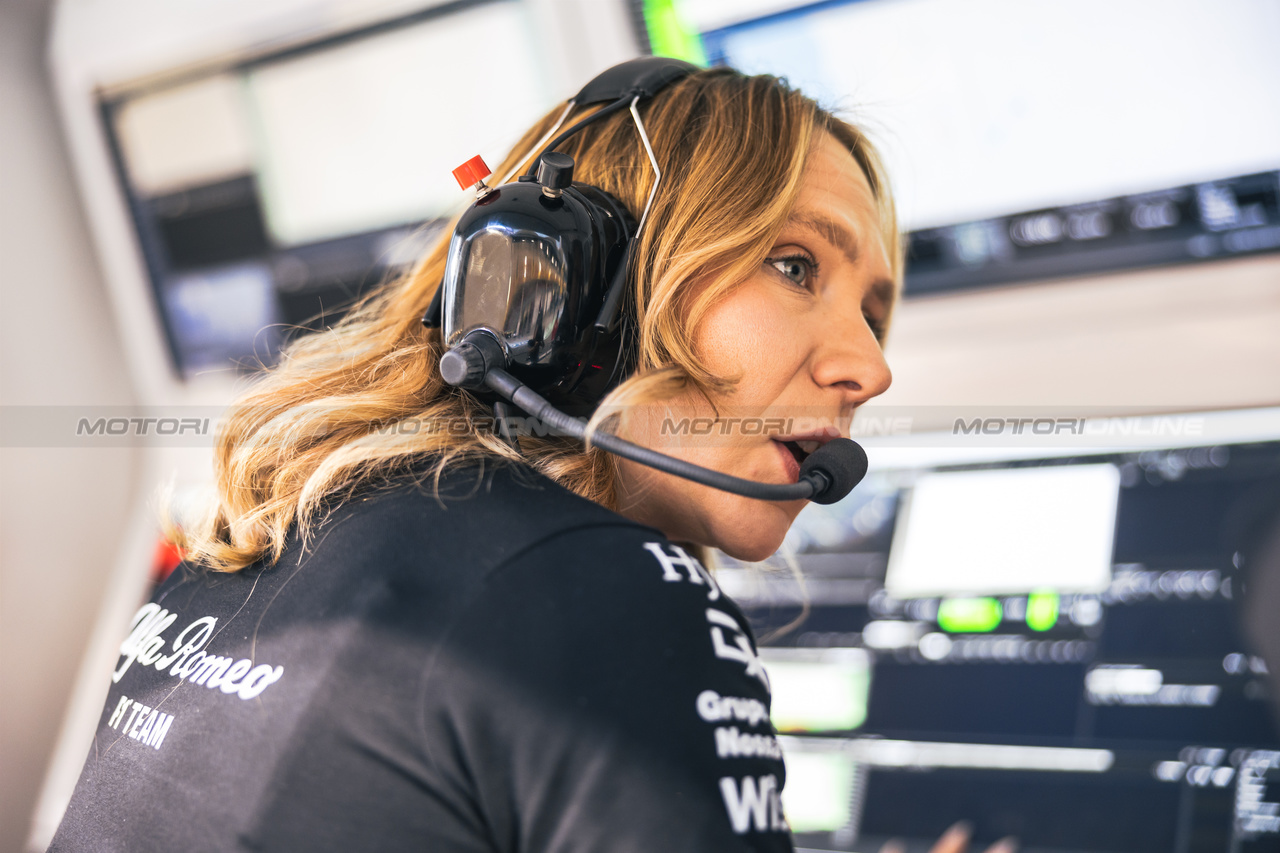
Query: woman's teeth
(796, 450)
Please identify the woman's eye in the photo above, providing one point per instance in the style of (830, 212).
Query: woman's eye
(798, 269)
(876, 325)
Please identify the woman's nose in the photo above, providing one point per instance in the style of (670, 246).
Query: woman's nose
(849, 358)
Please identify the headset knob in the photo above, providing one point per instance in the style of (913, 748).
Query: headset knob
(468, 363)
(555, 173)
(462, 368)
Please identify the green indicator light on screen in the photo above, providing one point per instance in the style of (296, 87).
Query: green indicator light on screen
(969, 615)
(670, 34)
(1042, 610)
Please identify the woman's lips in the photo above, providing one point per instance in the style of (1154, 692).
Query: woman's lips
(789, 463)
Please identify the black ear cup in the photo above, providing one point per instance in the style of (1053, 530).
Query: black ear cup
(540, 264)
(528, 263)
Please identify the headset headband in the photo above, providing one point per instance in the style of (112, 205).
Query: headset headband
(645, 77)
(625, 84)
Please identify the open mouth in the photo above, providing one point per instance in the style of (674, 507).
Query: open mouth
(801, 449)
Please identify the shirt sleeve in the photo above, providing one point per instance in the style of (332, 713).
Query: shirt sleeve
(602, 693)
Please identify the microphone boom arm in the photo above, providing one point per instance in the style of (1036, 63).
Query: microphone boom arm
(813, 483)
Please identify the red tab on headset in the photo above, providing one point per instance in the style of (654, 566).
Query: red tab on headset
(472, 172)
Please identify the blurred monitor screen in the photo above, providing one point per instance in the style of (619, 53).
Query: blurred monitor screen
(272, 191)
(819, 792)
(817, 690)
(1063, 652)
(363, 135)
(987, 107)
(1010, 531)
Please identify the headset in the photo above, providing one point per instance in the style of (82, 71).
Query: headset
(532, 305)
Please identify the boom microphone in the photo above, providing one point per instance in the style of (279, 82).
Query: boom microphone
(843, 462)
(826, 475)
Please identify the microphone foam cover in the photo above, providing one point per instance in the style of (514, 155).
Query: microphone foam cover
(843, 461)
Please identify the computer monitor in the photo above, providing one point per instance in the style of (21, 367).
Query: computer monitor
(269, 191)
(1091, 687)
(1031, 140)
(1006, 532)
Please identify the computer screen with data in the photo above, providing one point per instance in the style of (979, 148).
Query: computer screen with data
(1033, 140)
(1056, 650)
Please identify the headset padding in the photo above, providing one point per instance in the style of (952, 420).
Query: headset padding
(644, 76)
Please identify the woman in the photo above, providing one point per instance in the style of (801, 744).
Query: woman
(419, 636)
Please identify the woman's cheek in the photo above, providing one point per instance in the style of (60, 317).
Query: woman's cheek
(756, 334)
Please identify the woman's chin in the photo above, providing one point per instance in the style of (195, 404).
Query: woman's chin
(756, 530)
(754, 545)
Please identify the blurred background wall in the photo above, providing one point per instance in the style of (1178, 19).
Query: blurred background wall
(62, 509)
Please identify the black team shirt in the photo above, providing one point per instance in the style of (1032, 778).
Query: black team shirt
(508, 667)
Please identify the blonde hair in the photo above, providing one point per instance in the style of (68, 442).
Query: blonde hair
(733, 150)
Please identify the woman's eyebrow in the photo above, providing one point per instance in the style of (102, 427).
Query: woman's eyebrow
(833, 232)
